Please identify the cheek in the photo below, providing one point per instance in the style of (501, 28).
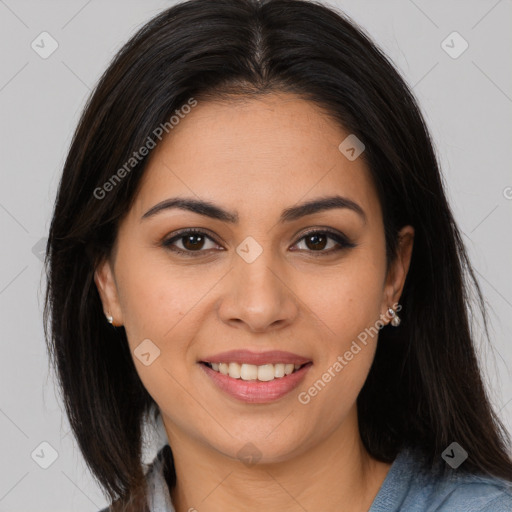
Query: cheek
(158, 318)
(159, 334)
(156, 296)
(346, 300)
(345, 307)
(348, 335)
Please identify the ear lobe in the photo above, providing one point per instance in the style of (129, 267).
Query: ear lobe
(105, 283)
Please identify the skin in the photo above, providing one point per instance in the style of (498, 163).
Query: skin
(312, 457)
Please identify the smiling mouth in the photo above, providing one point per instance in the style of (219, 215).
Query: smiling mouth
(264, 373)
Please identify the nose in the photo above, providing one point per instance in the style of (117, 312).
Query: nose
(258, 296)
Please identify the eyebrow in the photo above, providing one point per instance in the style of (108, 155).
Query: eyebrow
(213, 211)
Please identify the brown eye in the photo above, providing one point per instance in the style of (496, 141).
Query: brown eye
(317, 241)
(193, 241)
(188, 242)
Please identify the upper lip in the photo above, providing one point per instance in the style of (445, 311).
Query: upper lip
(256, 358)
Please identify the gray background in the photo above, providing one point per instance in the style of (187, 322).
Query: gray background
(467, 102)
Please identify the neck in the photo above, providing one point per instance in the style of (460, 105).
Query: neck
(337, 474)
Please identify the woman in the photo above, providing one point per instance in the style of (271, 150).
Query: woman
(251, 244)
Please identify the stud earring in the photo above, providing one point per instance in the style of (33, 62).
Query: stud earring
(395, 319)
(110, 319)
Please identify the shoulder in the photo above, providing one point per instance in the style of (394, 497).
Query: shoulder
(413, 487)
(475, 493)
(450, 490)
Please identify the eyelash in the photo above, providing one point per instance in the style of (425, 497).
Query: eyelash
(342, 241)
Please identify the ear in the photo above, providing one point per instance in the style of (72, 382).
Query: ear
(395, 279)
(107, 288)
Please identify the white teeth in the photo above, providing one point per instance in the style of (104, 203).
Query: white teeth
(265, 372)
(279, 370)
(234, 370)
(248, 372)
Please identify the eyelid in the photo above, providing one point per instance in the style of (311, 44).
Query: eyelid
(341, 239)
(326, 230)
(167, 241)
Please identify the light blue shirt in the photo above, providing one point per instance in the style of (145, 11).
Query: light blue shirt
(408, 487)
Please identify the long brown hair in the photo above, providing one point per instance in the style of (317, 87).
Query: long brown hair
(425, 387)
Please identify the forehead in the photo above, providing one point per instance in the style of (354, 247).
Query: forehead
(270, 151)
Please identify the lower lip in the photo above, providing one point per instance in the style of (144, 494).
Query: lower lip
(255, 391)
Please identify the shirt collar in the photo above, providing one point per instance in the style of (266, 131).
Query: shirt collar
(159, 499)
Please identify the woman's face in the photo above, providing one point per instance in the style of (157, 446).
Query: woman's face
(253, 279)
